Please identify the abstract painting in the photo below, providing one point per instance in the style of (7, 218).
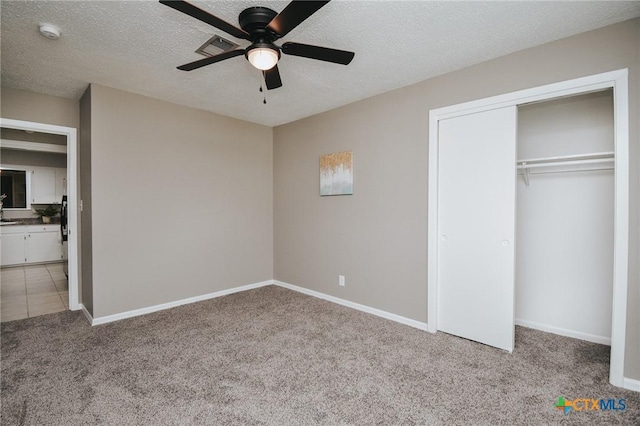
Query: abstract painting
(336, 174)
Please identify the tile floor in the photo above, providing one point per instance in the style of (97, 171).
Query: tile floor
(29, 291)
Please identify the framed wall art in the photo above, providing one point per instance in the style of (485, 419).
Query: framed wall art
(336, 174)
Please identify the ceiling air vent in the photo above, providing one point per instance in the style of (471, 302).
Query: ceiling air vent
(216, 45)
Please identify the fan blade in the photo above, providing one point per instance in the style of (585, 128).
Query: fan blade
(196, 12)
(293, 15)
(211, 60)
(316, 52)
(272, 78)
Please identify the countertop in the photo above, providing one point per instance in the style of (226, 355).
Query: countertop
(34, 221)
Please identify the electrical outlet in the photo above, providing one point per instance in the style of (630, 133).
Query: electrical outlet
(341, 280)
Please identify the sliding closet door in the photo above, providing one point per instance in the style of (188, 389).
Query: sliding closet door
(476, 226)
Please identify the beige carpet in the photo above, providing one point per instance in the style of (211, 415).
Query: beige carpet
(275, 357)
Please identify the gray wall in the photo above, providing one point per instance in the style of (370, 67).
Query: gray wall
(30, 106)
(181, 202)
(33, 158)
(378, 236)
(20, 135)
(86, 247)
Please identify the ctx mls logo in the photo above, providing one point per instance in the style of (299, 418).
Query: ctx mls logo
(589, 404)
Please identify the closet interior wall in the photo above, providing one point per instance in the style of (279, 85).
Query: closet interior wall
(564, 223)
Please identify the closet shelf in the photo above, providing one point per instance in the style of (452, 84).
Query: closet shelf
(593, 161)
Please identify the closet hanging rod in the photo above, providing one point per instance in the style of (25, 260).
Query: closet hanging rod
(548, 172)
(526, 165)
(589, 156)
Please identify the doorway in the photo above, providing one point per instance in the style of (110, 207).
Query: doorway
(72, 179)
(617, 81)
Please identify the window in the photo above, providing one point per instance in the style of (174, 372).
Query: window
(14, 186)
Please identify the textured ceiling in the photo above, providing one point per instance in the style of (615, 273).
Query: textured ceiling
(136, 46)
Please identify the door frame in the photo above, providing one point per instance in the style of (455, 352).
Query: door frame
(616, 80)
(72, 196)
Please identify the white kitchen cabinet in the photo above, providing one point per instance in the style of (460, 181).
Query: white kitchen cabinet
(48, 185)
(43, 185)
(13, 245)
(43, 247)
(30, 244)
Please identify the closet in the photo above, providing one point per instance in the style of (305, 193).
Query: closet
(565, 216)
(527, 196)
(525, 220)
(528, 215)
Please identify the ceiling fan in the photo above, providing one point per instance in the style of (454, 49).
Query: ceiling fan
(262, 27)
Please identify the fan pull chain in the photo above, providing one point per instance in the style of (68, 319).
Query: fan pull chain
(264, 97)
(264, 93)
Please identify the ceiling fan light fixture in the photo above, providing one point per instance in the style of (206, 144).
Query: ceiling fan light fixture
(263, 58)
(262, 26)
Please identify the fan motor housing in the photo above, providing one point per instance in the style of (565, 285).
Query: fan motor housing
(254, 21)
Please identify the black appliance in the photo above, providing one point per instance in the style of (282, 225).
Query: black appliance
(64, 230)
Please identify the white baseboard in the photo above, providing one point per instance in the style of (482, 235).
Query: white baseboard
(564, 332)
(155, 308)
(86, 313)
(631, 384)
(353, 305)
(142, 311)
